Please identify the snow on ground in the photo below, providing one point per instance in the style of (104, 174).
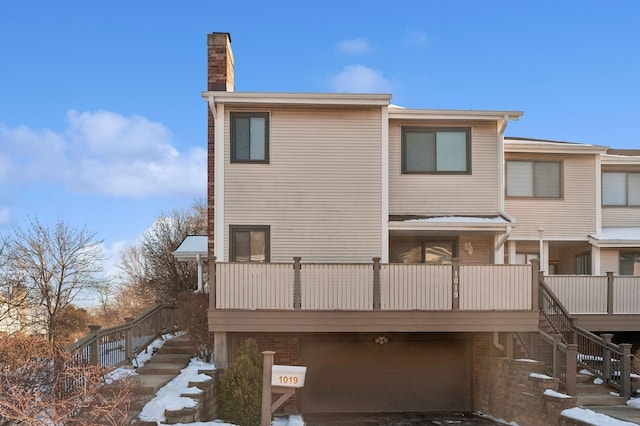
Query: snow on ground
(593, 418)
(169, 397)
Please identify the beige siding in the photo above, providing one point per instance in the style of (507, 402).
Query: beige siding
(477, 193)
(572, 217)
(482, 252)
(609, 261)
(620, 216)
(321, 193)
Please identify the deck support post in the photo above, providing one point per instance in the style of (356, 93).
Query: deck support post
(212, 281)
(376, 283)
(267, 364)
(610, 293)
(297, 288)
(455, 284)
(625, 373)
(572, 369)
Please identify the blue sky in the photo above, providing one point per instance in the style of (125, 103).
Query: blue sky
(102, 123)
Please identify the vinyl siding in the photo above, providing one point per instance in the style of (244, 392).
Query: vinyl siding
(572, 217)
(321, 193)
(477, 193)
(609, 261)
(620, 216)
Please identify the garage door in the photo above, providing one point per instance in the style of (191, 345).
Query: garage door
(403, 374)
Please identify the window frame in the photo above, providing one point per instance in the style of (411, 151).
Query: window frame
(250, 228)
(533, 177)
(628, 253)
(424, 243)
(435, 131)
(232, 135)
(627, 188)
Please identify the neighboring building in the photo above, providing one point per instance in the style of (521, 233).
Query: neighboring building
(388, 249)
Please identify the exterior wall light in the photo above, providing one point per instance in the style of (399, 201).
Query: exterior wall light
(468, 247)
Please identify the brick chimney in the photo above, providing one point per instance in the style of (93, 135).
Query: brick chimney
(220, 59)
(219, 78)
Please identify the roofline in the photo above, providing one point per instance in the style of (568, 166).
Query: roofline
(356, 99)
(448, 114)
(613, 159)
(512, 144)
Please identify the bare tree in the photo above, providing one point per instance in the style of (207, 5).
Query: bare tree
(42, 384)
(133, 294)
(15, 312)
(166, 275)
(56, 266)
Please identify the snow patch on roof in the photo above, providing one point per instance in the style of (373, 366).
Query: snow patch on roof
(619, 234)
(458, 219)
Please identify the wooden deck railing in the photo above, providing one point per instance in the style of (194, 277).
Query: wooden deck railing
(373, 286)
(115, 346)
(571, 344)
(585, 294)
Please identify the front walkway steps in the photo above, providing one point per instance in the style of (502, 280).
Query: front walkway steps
(163, 367)
(602, 399)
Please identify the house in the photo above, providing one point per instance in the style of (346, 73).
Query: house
(379, 245)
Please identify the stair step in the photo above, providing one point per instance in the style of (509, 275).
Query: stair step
(593, 389)
(606, 400)
(161, 369)
(149, 385)
(186, 350)
(584, 378)
(178, 359)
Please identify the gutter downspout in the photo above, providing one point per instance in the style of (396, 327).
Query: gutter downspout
(504, 238)
(496, 341)
(199, 261)
(502, 126)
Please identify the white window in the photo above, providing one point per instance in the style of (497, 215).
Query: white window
(620, 189)
(441, 150)
(536, 179)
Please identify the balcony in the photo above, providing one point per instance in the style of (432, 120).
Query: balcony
(600, 303)
(312, 297)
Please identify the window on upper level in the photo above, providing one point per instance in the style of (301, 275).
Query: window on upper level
(436, 150)
(249, 243)
(535, 179)
(629, 263)
(249, 137)
(620, 189)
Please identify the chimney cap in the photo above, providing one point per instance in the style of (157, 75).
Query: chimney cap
(218, 37)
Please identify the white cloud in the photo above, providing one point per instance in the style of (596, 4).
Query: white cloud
(105, 153)
(356, 46)
(360, 79)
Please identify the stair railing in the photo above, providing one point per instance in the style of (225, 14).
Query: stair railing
(118, 345)
(557, 357)
(597, 354)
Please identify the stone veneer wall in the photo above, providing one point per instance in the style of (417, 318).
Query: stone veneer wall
(206, 408)
(505, 389)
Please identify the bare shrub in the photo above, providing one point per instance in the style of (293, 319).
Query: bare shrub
(40, 384)
(192, 317)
